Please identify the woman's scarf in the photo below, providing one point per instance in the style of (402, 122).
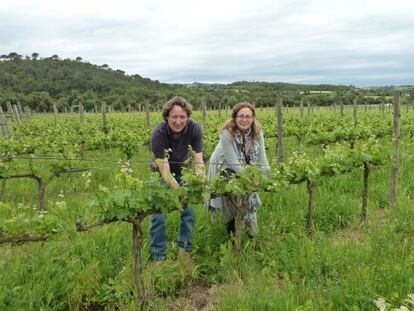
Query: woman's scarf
(247, 149)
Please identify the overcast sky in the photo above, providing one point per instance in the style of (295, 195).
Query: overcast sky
(359, 42)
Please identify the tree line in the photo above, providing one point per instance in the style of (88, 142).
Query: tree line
(41, 82)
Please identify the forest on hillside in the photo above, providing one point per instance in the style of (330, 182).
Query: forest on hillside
(38, 83)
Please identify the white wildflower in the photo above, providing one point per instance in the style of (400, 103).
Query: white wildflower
(410, 299)
(87, 174)
(42, 213)
(381, 304)
(61, 204)
(126, 168)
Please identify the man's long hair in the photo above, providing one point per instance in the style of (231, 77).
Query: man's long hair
(176, 101)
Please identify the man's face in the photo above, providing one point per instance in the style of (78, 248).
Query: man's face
(177, 119)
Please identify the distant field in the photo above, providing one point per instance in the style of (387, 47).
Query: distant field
(377, 96)
(317, 92)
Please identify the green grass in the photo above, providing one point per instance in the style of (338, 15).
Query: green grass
(344, 267)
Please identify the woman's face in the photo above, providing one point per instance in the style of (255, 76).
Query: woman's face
(244, 119)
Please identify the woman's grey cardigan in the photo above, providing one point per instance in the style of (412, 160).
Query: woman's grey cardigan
(226, 155)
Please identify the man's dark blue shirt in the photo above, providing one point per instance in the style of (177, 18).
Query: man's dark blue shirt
(163, 145)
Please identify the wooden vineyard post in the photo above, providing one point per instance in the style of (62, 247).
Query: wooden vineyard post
(204, 113)
(355, 110)
(147, 114)
(19, 109)
(309, 107)
(365, 194)
(10, 111)
(301, 109)
(55, 112)
(81, 113)
(16, 113)
(219, 109)
(279, 130)
(3, 123)
(104, 122)
(395, 153)
(341, 108)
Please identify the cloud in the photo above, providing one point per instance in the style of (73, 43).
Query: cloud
(354, 42)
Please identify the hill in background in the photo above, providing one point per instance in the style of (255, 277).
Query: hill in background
(40, 82)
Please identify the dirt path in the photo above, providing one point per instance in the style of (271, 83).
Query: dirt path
(200, 296)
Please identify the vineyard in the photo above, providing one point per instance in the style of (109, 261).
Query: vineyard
(76, 189)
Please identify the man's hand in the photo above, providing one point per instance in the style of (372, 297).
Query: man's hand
(199, 164)
(164, 168)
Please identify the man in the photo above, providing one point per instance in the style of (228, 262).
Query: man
(170, 144)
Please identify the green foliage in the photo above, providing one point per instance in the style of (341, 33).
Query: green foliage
(132, 197)
(68, 80)
(244, 182)
(343, 268)
(167, 278)
(23, 219)
(192, 188)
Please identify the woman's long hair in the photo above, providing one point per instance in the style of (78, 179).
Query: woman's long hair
(231, 125)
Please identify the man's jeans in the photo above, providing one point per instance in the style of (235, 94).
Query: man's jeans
(158, 241)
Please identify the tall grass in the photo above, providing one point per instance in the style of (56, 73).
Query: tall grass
(344, 267)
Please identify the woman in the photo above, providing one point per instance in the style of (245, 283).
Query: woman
(241, 143)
